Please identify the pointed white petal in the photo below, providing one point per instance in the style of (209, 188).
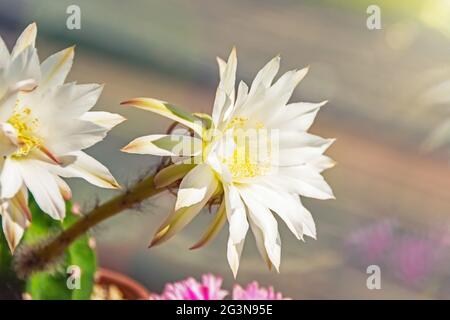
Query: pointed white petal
(88, 168)
(266, 75)
(224, 99)
(322, 163)
(267, 224)
(24, 66)
(242, 94)
(167, 110)
(259, 239)
(266, 103)
(236, 213)
(178, 219)
(26, 39)
(64, 188)
(20, 202)
(165, 145)
(304, 149)
(222, 66)
(8, 139)
(234, 252)
(103, 119)
(214, 228)
(303, 180)
(296, 116)
(282, 90)
(10, 179)
(13, 229)
(288, 207)
(75, 135)
(44, 188)
(64, 103)
(16, 217)
(4, 54)
(194, 186)
(56, 68)
(172, 173)
(187, 197)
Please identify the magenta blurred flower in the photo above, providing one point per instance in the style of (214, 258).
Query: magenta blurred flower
(370, 243)
(254, 292)
(191, 289)
(411, 258)
(210, 289)
(414, 259)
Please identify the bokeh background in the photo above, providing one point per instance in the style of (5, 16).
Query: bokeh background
(388, 91)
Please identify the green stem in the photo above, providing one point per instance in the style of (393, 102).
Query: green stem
(50, 251)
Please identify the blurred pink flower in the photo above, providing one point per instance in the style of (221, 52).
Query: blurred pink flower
(414, 259)
(370, 243)
(191, 289)
(210, 289)
(255, 292)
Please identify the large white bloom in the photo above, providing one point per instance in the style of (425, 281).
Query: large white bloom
(255, 184)
(44, 125)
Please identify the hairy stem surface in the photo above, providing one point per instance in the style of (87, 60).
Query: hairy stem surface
(40, 257)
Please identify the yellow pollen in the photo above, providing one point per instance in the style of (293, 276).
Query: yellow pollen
(246, 160)
(25, 126)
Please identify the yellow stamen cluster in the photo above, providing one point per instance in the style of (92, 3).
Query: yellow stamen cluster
(25, 126)
(246, 162)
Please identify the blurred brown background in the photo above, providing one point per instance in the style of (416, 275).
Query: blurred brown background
(393, 197)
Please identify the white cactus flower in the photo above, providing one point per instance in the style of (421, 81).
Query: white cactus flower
(44, 125)
(227, 157)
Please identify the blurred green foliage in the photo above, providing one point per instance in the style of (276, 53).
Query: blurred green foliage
(55, 283)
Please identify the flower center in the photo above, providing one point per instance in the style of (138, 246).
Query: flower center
(25, 126)
(251, 156)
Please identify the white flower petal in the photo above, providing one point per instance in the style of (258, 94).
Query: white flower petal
(296, 116)
(194, 186)
(283, 88)
(187, 197)
(62, 103)
(225, 90)
(64, 188)
(304, 180)
(222, 66)
(288, 207)
(8, 139)
(15, 218)
(236, 213)
(259, 239)
(266, 75)
(73, 136)
(303, 150)
(56, 68)
(263, 219)
(20, 202)
(4, 54)
(234, 252)
(242, 94)
(26, 39)
(165, 145)
(178, 219)
(265, 103)
(103, 119)
(13, 225)
(172, 173)
(86, 167)
(44, 188)
(214, 228)
(24, 66)
(10, 179)
(167, 110)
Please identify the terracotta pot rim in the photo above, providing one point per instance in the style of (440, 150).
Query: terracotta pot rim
(126, 284)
